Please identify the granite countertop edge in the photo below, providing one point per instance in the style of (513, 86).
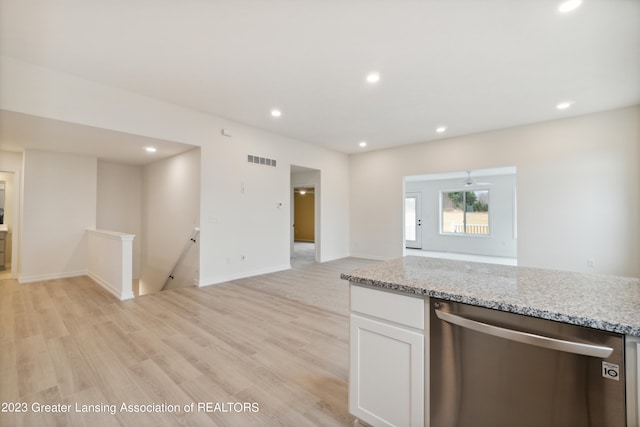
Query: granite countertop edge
(604, 325)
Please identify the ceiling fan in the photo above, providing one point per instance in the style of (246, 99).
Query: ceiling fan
(470, 183)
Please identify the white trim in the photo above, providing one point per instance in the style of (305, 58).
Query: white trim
(122, 297)
(115, 235)
(464, 191)
(371, 257)
(632, 368)
(242, 275)
(637, 420)
(52, 276)
(489, 259)
(333, 258)
(507, 170)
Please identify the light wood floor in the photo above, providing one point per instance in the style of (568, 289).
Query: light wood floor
(278, 341)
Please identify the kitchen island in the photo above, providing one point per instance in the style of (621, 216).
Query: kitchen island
(391, 299)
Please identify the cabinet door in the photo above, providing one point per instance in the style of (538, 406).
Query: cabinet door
(386, 384)
(632, 368)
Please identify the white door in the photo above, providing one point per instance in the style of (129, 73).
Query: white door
(413, 220)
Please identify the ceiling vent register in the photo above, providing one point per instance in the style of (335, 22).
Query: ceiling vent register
(261, 161)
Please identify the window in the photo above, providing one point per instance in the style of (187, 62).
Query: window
(465, 212)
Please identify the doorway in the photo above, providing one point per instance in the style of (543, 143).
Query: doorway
(304, 224)
(413, 220)
(462, 213)
(305, 215)
(8, 222)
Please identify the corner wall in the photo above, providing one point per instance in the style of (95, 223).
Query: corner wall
(245, 209)
(170, 211)
(59, 205)
(119, 206)
(578, 183)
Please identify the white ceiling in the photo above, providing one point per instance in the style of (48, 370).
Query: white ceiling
(471, 65)
(22, 131)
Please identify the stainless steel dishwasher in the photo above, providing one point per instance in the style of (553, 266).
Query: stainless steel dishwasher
(492, 368)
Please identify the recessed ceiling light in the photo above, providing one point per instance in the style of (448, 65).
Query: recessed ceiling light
(150, 149)
(373, 77)
(569, 5)
(276, 113)
(363, 143)
(441, 129)
(564, 105)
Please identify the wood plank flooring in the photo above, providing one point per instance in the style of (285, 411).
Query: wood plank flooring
(267, 350)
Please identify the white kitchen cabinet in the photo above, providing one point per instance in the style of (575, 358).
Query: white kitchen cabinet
(632, 361)
(637, 396)
(386, 384)
(388, 379)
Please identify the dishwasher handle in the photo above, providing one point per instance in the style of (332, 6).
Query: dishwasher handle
(525, 337)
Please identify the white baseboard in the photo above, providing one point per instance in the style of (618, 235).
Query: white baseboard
(333, 258)
(242, 275)
(372, 257)
(52, 276)
(120, 295)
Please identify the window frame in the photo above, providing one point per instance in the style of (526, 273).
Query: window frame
(465, 234)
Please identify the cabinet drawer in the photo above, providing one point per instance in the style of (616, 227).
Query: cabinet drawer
(402, 309)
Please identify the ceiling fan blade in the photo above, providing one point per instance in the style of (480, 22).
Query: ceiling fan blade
(470, 183)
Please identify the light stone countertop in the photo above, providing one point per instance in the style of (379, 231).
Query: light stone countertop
(602, 302)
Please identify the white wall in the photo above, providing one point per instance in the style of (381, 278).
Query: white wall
(585, 169)
(306, 178)
(501, 240)
(59, 204)
(159, 204)
(119, 205)
(170, 211)
(249, 223)
(578, 190)
(43, 92)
